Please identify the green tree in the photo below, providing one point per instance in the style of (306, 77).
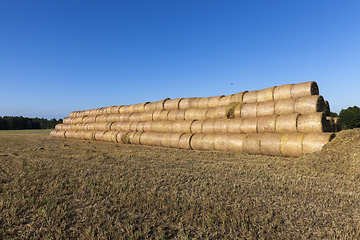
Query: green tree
(350, 117)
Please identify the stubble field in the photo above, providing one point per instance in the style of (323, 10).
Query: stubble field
(74, 189)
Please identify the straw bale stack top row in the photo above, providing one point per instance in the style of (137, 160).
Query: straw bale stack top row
(287, 91)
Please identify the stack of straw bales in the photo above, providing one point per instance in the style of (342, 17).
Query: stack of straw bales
(288, 120)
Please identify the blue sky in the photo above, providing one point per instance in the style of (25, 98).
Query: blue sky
(60, 56)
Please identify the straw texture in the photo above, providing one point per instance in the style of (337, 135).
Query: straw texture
(184, 141)
(249, 125)
(270, 144)
(250, 97)
(314, 142)
(309, 104)
(238, 97)
(266, 94)
(282, 92)
(285, 106)
(265, 108)
(304, 89)
(251, 144)
(287, 123)
(267, 124)
(312, 123)
(291, 144)
(249, 110)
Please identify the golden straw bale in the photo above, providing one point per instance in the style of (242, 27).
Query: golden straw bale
(304, 89)
(89, 135)
(329, 124)
(251, 143)
(135, 117)
(237, 111)
(235, 142)
(238, 97)
(282, 92)
(208, 126)
(140, 127)
(72, 127)
(134, 137)
(200, 114)
(91, 126)
(125, 117)
(270, 144)
(70, 133)
(196, 141)
(126, 126)
(147, 126)
(225, 100)
(66, 127)
(291, 144)
(150, 107)
(146, 116)
(203, 102)
(156, 115)
(187, 103)
(220, 126)
(115, 109)
(231, 108)
(53, 133)
(165, 139)
(122, 137)
(112, 117)
(250, 97)
(338, 124)
(172, 114)
(175, 140)
(140, 107)
(249, 110)
(180, 115)
(217, 112)
(309, 104)
(79, 126)
(164, 115)
(89, 119)
(99, 135)
(93, 112)
(115, 126)
(72, 114)
(182, 126)
(67, 120)
(107, 110)
(266, 94)
(208, 142)
(312, 123)
(327, 108)
(234, 125)
(59, 126)
(110, 136)
(196, 126)
(133, 126)
(285, 106)
(184, 141)
(144, 138)
(215, 101)
(287, 123)
(157, 126)
(267, 124)
(221, 142)
(314, 142)
(265, 108)
(161, 104)
(249, 125)
(172, 104)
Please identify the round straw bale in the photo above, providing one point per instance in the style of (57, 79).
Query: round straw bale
(220, 126)
(250, 97)
(235, 142)
(93, 112)
(304, 89)
(287, 123)
(196, 141)
(87, 126)
(112, 117)
(126, 126)
(123, 137)
(135, 117)
(91, 126)
(285, 106)
(225, 100)
(89, 135)
(238, 97)
(187, 103)
(66, 127)
(154, 139)
(175, 140)
(80, 126)
(314, 142)
(156, 115)
(161, 104)
(190, 114)
(134, 137)
(203, 102)
(146, 116)
(172, 104)
(72, 127)
(125, 117)
(208, 126)
(115, 126)
(67, 120)
(144, 137)
(164, 115)
(133, 126)
(231, 108)
(53, 133)
(208, 142)
(77, 120)
(172, 114)
(265, 108)
(180, 115)
(221, 142)
(309, 104)
(140, 127)
(312, 123)
(182, 126)
(147, 126)
(234, 125)
(270, 144)
(237, 111)
(107, 110)
(99, 135)
(88, 112)
(196, 126)
(282, 92)
(249, 125)
(329, 124)
(168, 127)
(72, 114)
(115, 109)
(200, 114)
(338, 124)
(59, 126)
(291, 144)
(140, 107)
(219, 112)
(150, 107)
(249, 110)
(327, 108)
(89, 119)
(184, 141)
(110, 136)
(215, 101)
(157, 126)
(252, 143)
(267, 124)
(266, 94)
(165, 139)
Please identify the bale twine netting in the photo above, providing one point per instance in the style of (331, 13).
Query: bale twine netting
(286, 120)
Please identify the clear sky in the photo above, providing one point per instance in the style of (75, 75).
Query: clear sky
(60, 56)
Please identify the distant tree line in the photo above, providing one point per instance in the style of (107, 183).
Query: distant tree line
(18, 123)
(350, 117)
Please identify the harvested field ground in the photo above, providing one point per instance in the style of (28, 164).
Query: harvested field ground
(74, 189)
